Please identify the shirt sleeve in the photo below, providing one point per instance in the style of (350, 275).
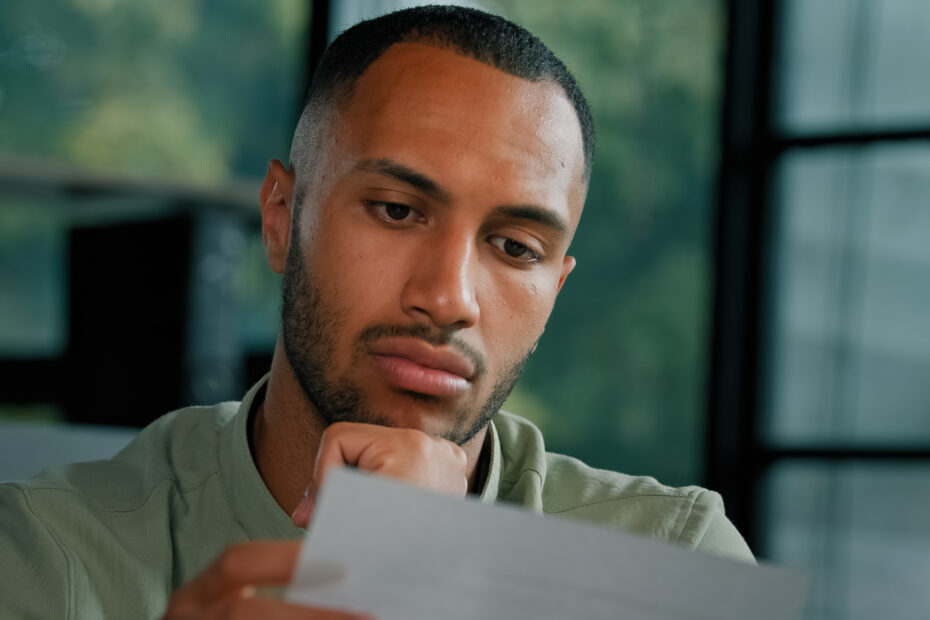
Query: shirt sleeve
(722, 538)
(37, 580)
(707, 528)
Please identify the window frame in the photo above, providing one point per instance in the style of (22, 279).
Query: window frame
(752, 146)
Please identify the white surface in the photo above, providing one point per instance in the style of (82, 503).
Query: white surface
(390, 549)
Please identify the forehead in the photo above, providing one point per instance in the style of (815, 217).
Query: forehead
(432, 104)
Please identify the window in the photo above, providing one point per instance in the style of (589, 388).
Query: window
(133, 136)
(821, 428)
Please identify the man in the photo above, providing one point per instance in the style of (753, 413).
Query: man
(437, 176)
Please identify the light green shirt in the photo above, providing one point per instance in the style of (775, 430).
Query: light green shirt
(112, 539)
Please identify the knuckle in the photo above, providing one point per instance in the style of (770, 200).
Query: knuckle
(228, 562)
(336, 429)
(178, 609)
(329, 432)
(225, 608)
(458, 454)
(238, 610)
(417, 441)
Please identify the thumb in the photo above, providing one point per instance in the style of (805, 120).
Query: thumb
(304, 511)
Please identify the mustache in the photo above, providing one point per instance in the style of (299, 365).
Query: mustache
(437, 338)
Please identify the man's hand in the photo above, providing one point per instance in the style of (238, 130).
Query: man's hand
(226, 589)
(401, 453)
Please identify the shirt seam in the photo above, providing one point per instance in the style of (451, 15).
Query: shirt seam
(687, 520)
(615, 499)
(227, 491)
(174, 483)
(517, 479)
(225, 445)
(65, 552)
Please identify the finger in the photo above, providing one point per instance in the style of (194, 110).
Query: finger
(247, 564)
(304, 511)
(344, 443)
(402, 453)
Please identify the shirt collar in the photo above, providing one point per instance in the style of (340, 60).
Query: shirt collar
(255, 509)
(492, 482)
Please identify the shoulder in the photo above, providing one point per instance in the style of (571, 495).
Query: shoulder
(32, 557)
(636, 504)
(69, 522)
(691, 516)
(178, 449)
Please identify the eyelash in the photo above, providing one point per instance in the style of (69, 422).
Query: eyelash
(380, 209)
(534, 256)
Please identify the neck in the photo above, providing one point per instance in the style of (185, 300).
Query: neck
(285, 436)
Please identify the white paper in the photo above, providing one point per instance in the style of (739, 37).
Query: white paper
(398, 552)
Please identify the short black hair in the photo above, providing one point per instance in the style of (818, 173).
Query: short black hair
(488, 38)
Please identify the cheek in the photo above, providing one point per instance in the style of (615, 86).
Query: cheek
(526, 304)
(357, 270)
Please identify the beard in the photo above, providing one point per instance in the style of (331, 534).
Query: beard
(309, 325)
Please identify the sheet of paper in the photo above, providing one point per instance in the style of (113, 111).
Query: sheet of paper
(399, 552)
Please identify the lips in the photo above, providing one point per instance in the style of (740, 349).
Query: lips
(414, 365)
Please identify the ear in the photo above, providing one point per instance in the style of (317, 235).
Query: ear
(277, 201)
(568, 264)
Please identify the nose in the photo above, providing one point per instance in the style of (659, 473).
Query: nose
(441, 285)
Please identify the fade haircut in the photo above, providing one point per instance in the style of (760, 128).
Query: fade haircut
(483, 36)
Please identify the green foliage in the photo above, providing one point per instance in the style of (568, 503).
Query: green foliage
(192, 91)
(174, 89)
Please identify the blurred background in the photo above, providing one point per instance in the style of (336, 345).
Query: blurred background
(751, 308)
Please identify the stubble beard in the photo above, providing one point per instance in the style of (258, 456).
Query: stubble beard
(308, 328)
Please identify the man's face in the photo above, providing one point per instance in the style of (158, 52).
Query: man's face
(431, 242)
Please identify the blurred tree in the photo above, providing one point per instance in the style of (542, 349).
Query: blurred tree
(198, 91)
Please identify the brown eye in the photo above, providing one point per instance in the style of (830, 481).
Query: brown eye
(512, 248)
(396, 211)
(515, 250)
(393, 212)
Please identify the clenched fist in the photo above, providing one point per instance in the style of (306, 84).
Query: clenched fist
(400, 453)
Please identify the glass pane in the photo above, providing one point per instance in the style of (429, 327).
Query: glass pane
(618, 378)
(862, 531)
(851, 337)
(854, 64)
(199, 91)
(33, 278)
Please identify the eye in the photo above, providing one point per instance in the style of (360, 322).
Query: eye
(515, 249)
(393, 212)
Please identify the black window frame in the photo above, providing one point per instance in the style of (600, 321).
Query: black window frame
(752, 145)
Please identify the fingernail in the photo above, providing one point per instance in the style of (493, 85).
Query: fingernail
(303, 512)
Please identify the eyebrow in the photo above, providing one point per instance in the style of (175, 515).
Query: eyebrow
(532, 213)
(406, 175)
(402, 173)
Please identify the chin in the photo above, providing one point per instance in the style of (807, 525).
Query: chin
(420, 411)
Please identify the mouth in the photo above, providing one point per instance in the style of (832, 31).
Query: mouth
(416, 366)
